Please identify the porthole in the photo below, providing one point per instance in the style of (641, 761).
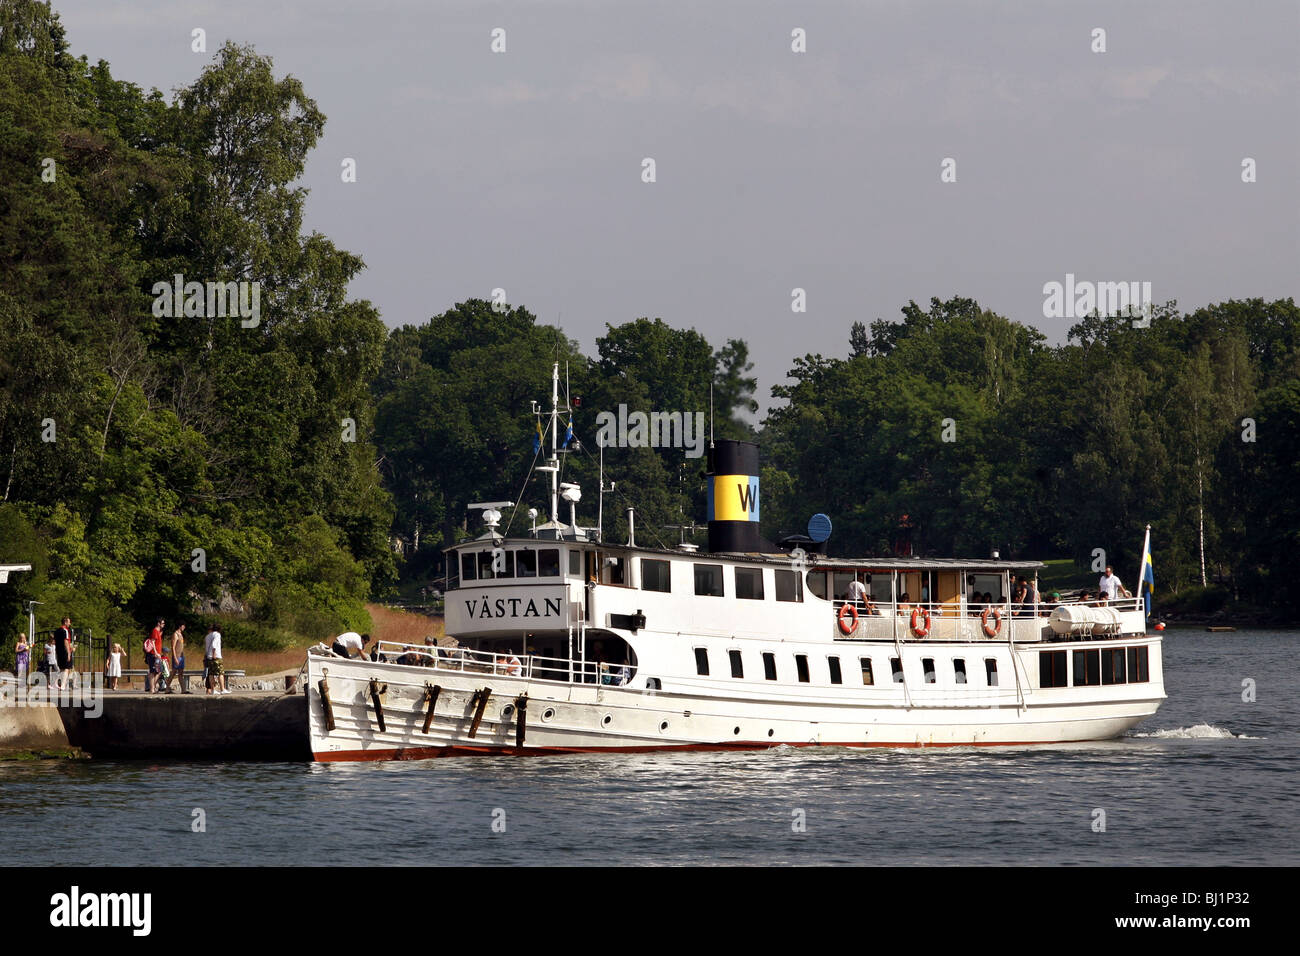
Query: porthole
(663, 726)
(770, 732)
(606, 720)
(548, 713)
(736, 731)
(507, 711)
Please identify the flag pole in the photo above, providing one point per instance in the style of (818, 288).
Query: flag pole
(1142, 574)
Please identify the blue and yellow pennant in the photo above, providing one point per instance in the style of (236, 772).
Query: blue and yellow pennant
(1148, 585)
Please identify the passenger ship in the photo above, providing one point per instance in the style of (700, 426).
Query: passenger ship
(570, 644)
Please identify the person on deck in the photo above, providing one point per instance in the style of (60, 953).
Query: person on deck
(350, 641)
(1026, 597)
(1109, 584)
(857, 593)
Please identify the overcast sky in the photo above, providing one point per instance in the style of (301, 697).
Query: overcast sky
(775, 170)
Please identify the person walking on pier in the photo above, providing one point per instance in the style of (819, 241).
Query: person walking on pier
(212, 663)
(63, 652)
(50, 666)
(22, 659)
(152, 650)
(114, 669)
(178, 658)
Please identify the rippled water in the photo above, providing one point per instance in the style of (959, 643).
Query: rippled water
(1211, 779)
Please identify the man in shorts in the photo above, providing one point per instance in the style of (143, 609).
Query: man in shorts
(216, 679)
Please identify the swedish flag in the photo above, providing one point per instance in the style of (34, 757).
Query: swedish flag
(537, 439)
(1148, 585)
(568, 434)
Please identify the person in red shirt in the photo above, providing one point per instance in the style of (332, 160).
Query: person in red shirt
(152, 648)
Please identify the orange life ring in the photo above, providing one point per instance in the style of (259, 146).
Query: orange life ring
(920, 621)
(852, 613)
(997, 621)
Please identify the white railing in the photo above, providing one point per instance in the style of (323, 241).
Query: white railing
(527, 667)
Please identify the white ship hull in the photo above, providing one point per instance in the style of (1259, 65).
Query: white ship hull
(563, 717)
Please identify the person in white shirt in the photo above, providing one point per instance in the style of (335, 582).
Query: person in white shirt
(350, 641)
(213, 668)
(1109, 585)
(857, 593)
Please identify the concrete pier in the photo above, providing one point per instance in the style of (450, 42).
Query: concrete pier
(253, 725)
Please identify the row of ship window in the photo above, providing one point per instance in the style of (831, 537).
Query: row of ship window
(1119, 665)
(1094, 666)
(656, 575)
(865, 667)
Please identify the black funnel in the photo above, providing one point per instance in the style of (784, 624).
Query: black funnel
(733, 497)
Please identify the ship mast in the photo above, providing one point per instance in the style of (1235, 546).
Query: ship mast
(555, 456)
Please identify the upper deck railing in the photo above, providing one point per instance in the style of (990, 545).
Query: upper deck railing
(965, 621)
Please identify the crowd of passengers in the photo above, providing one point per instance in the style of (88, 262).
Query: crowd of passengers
(1024, 599)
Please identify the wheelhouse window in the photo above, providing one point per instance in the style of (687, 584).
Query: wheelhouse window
(526, 563)
(789, 586)
(708, 580)
(1137, 665)
(467, 566)
(1087, 668)
(702, 661)
(548, 562)
(656, 575)
(991, 671)
(749, 583)
(868, 679)
(801, 667)
(575, 563)
(486, 560)
(737, 665)
(959, 670)
(1051, 669)
(834, 664)
(896, 667)
(769, 665)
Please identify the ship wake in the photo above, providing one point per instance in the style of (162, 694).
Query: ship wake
(1196, 731)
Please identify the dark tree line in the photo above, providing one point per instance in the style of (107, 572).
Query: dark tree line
(1189, 425)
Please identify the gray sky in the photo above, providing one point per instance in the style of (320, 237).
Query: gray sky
(775, 170)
